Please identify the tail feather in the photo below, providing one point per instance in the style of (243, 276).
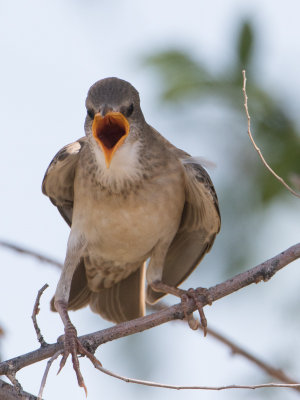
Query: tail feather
(123, 301)
(80, 293)
(184, 254)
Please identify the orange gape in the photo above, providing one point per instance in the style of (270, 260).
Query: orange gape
(110, 132)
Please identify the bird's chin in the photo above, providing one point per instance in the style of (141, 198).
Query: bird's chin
(109, 133)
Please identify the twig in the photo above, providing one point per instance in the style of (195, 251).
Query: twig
(44, 379)
(261, 272)
(166, 386)
(35, 313)
(31, 253)
(274, 372)
(17, 385)
(295, 179)
(236, 349)
(254, 144)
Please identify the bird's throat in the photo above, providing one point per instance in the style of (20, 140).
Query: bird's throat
(110, 132)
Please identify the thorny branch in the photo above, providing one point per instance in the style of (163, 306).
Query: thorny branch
(255, 145)
(262, 272)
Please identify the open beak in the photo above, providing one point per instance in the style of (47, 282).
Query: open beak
(110, 132)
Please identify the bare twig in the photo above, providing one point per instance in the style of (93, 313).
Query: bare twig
(295, 179)
(35, 312)
(17, 385)
(166, 386)
(274, 372)
(23, 250)
(44, 379)
(236, 349)
(254, 144)
(261, 272)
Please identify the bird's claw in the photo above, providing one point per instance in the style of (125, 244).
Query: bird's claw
(73, 346)
(194, 294)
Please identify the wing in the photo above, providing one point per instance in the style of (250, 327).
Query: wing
(199, 226)
(58, 186)
(59, 178)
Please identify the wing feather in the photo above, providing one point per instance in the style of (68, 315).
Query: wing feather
(58, 185)
(199, 226)
(58, 182)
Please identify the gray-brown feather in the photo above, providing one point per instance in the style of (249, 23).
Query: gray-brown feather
(58, 182)
(199, 225)
(123, 301)
(58, 185)
(80, 293)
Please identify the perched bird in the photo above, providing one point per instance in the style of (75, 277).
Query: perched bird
(128, 195)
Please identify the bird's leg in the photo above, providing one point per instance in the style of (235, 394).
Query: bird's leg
(184, 295)
(72, 344)
(154, 277)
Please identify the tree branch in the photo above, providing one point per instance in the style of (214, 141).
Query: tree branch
(261, 272)
(34, 254)
(9, 392)
(35, 312)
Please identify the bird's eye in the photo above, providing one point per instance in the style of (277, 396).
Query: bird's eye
(129, 110)
(91, 113)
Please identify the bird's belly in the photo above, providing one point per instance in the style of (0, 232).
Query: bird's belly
(125, 230)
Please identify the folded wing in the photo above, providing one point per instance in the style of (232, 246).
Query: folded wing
(121, 302)
(199, 226)
(58, 185)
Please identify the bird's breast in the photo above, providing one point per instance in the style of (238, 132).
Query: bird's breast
(125, 228)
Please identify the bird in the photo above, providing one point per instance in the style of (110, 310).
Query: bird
(129, 196)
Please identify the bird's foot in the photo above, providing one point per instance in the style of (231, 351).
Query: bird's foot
(73, 346)
(185, 295)
(195, 294)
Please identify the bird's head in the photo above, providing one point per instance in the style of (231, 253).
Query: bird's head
(113, 115)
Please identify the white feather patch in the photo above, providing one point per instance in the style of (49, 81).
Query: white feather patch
(124, 166)
(73, 148)
(199, 160)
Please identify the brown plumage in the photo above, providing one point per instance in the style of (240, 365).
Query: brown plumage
(126, 200)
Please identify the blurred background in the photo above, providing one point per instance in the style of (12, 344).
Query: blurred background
(186, 60)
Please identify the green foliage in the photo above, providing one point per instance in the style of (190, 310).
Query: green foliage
(249, 188)
(183, 78)
(181, 75)
(281, 147)
(245, 45)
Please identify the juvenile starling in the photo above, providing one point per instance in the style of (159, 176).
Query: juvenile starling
(128, 195)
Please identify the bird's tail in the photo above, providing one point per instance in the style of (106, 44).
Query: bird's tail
(80, 293)
(123, 301)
